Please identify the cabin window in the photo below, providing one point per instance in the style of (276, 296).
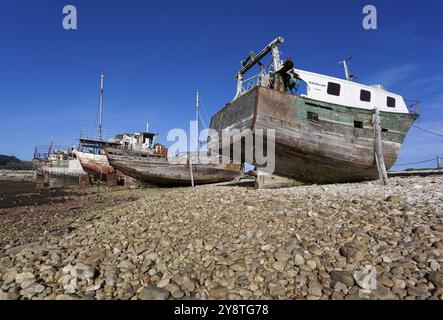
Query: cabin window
(312, 116)
(358, 124)
(365, 95)
(333, 89)
(390, 102)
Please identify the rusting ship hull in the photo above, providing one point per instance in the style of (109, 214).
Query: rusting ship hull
(159, 171)
(94, 164)
(315, 141)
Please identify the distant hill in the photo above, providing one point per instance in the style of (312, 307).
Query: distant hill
(13, 163)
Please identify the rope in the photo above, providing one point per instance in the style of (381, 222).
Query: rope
(407, 164)
(204, 110)
(203, 121)
(428, 131)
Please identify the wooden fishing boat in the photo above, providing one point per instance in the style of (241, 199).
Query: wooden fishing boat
(90, 150)
(322, 135)
(178, 171)
(58, 168)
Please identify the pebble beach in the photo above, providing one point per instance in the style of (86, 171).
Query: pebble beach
(341, 241)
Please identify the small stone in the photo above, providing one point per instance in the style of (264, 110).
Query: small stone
(179, 279)
(299, 260)
(437, 227)
(153, 293)
(189, 285)
(276, 290)
(383, 293)
(394, 199)
(266, 247)
(163, 283)
(34, 289)
(436, 277)
(4, 296)
(20, 277)
(399, 283)
(239, 267)
(365, 278)
(346, 233)
(315, 289)
(311, 264)
(142, 248)
(335, 206)
(178, 294)
(355, 252)
(344, 277)
(66, 297)
(434, 265)
(279, 266)
(387, 282)
(88, 273)
(219, 292)
(249, 234)
(282, 255)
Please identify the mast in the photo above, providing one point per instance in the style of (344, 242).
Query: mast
(100, 126)
(348, 75)
(196, 118)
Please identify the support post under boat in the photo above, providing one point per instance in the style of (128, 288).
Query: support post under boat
(190, 170)
(378, 150)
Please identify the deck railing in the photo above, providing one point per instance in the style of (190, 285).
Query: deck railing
(42, 152)
(89, 133)
(413, 105)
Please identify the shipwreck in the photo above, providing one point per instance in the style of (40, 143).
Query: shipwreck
(324, 128)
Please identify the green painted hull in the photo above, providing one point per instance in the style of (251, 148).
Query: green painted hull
(324, 150)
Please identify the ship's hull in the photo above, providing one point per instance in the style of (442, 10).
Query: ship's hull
(59, 173)
(161, 172)
(94, 164)
(314, 141)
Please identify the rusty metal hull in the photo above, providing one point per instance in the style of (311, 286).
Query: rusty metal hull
(159, 171)
(324, 150)
(94, 164)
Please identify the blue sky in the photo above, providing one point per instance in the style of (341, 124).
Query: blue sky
(156, 53)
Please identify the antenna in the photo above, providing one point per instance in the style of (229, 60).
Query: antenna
(344, 62)
(100, 128)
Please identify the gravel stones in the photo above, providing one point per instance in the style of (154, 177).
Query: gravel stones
(355, 241)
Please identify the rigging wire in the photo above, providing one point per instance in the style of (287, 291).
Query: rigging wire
(418, 162)
(204, 110)
(203, 121)
(428, 131)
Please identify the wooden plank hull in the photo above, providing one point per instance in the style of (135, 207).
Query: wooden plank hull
(327, 150)
(159, 171)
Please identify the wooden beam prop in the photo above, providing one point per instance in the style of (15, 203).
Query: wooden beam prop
(378, 150)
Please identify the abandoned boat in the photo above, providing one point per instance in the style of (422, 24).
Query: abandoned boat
(153, 166)
(323, 135)
(183, 170)
(57, 167)
(90, 151)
